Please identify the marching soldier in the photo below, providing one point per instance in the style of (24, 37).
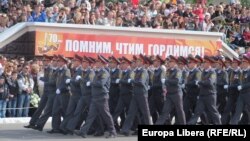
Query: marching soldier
(85, 80)
(75, 91)
(47, 70)
(156, 101)
(243, 102)
(115, 75)
(174, 96)
(201, 63)
(233, 92)
(99, 101)
(182, 62)
(207, 94)
(191, 86)
(228, 63)
(150, 70)
(140, 98)
(133, 64)
(126, 90)
(62, 95)
(49, 79)
(222, 85)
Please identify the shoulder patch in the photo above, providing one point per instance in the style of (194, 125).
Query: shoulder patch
(198, 75)
(213, 76)
(91, 76)
(179, 74)
(132, 75)
(104, 75)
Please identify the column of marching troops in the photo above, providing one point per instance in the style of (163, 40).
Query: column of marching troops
(144, 90)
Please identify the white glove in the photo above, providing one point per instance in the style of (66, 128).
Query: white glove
(163, 81)
(58, 91)
(225, 86)
(67, 81)
(88, 83)
(149, 87)
(78, 77)
(196, 83)
(117, 81)
(129, 80)
(239, 87)
(183, 86)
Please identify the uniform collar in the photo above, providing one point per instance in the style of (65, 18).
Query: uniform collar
(98, 70)
(192, 70)
(86, 69)
(79, 67)
(235, 70)
(158, 68)
(219, 70)
(113, 70)
(61, 68)
(54, 68)
(246, 69)
(227, 69)
(209, 69)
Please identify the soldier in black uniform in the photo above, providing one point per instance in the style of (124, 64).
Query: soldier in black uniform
(115, 75)
(243, 102)
(140, 98)
(222, 85)
(126, 90)
(46, 60)
(233, 92)
(192, 88)
(62, 95)
(207, 94)
(99, 101)
(158, 96)
(75, 91)
(49, 79)
(174, 96)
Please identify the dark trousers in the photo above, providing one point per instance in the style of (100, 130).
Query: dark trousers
(100, 107)
(40, 108)
(156, 102)
(70, 111)
(206, 103)
(47, 111)
(173, 101)
(243, 104)
(80, 113)
(113, 98)
(189, 105)
(59, 109)
(221, 101)
(138, 102)
(229, 108)
(122, 106)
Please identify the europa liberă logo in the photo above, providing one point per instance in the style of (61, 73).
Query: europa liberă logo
(177, 132)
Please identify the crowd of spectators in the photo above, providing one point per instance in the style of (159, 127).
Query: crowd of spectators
(231, 18)
(20, 86)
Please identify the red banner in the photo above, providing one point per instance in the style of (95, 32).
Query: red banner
(91, 45)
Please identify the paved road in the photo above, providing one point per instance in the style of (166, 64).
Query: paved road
(16, 132)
